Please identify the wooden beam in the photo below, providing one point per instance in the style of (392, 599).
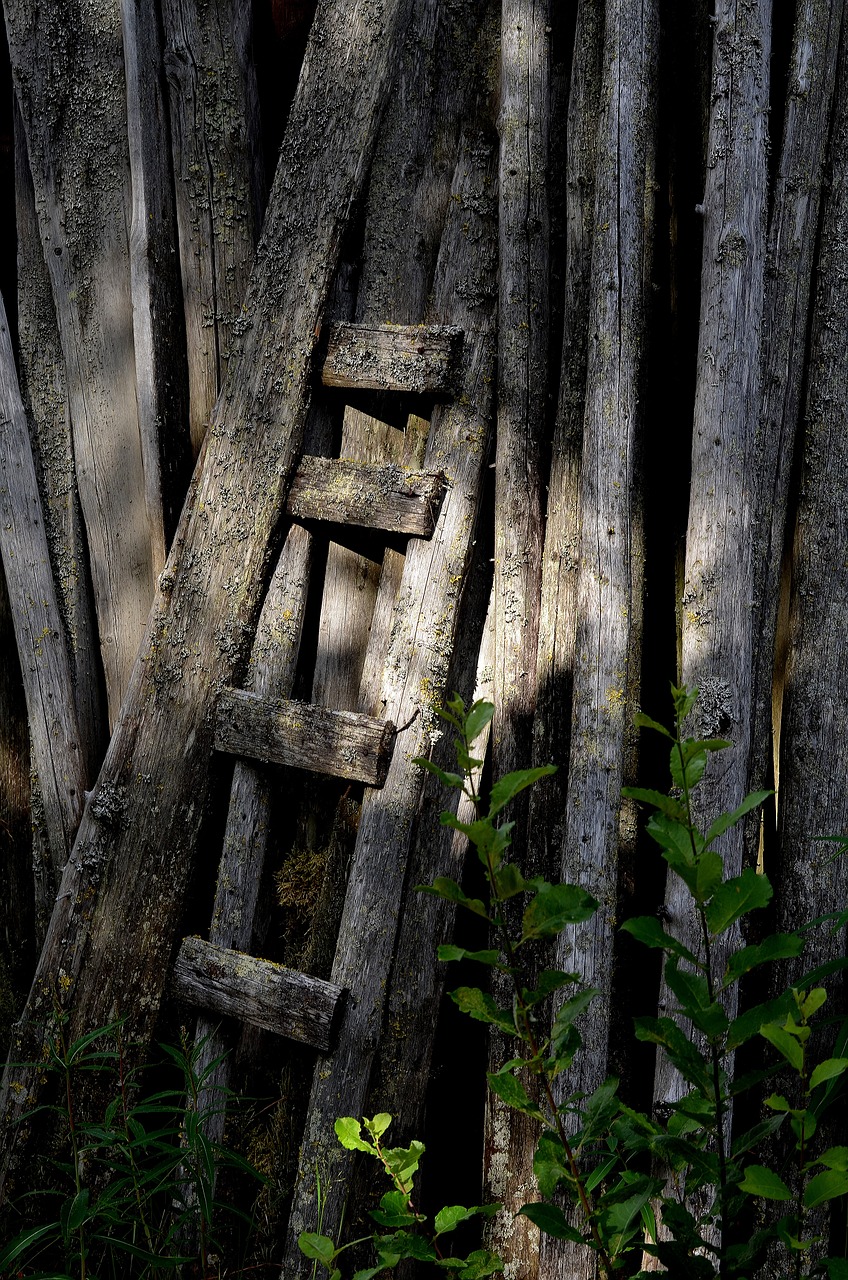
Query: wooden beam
(265, 994)
(393, 357)
(304, 736)
(376, 497)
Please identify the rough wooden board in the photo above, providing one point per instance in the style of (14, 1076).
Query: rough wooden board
(264, 994)
(220, 187)
(423, 636)
(304, 736)
(136, 846)
(386, 497)
(39, 631)
(393, 357)
(67, 64)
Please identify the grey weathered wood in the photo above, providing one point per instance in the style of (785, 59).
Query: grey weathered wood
(304, 736)
(607, 655)
(159, 338)
(522, 412)
(260, 992)
(392, 357)
(717, 596)
(385, 496)
(792, 241)
(37, 619)
(136, 846)
(67, 64)
(416, 670)
(220, 187)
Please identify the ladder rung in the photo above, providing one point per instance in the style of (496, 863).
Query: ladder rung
(385, 497)
(257, 991)
(393, 357)
(304, 736)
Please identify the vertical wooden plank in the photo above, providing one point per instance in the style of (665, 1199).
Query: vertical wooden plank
(136, 846)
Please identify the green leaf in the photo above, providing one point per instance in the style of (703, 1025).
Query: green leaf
(757, 1134)
(480, 1005)
(620, 1211)
(444, 887)
(785, 1043)
(735, 898)
(837, 1268)
(709, 871)
(649, 931)
(811, 1001)
(449, 1218)
(478, 717)
(693, 993)
(680, 843)
(511, 1091)
(666, 1033)
(454, 780)
(378, 1126)
(551, 1219)
(688, 772)
(402, 1162)
(777, 946)
(509, 881)
(571, 1009)
(548, 981)
(599, 1111)
(367, 1274)
(554, 907)
(322, 1248)
(512, 783)
(79, 1210)
(749, 1023)
(21, 1243)
(825, 1186)
(645, 722)
(405, 1244)
(827, 1070)
(727, 820)
(763, 1182)
(550, 1164)
(657, 800)
(349, 1134)
(835, 1158)
(447, 951)
(394, 1211)
(479, 1264)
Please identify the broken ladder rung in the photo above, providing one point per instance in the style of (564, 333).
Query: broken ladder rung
(393, 357)
(387, 497)
(302, 735)
(260, 992)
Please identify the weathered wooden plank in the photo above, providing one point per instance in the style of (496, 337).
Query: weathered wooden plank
(302, 735)
(523, 319)
(37, 619)
(422, 639)
(136, 847)
(265, 994)
(74, 110)
(386, 497)
(393, 357)
(220, 185)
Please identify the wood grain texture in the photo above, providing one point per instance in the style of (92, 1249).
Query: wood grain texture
(220, 188)
(266, 995)
(39, 631)
(386, 497)
(304, 736)
(422, 641)
(136, 847)
(391, 357)
(67, 63)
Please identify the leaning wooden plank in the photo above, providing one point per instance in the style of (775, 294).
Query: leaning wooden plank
(220, 187)
(39, 630)
(521, 444)
(260, 992)
(304, 736)
(136, 846)
(385, 497)
(74, 111)
(393, 357)
(423, 636)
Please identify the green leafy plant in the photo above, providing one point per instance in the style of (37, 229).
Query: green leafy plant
(405, 1232)
(136, 1185)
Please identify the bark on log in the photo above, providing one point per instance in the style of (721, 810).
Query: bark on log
(391, 357)
(264, 994)
(220, 183)
(414, 679)
(522, 414)
(69, 77)
(386, 497)
(303, 736)
(39, 630)
(136, 846)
